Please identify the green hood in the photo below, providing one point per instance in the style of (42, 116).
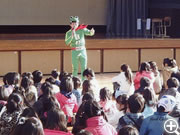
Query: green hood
(74, 19)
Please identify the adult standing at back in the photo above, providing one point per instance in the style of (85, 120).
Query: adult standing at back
(75, 38)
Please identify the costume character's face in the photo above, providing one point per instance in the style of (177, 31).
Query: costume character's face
(74, 25)
(74, 22)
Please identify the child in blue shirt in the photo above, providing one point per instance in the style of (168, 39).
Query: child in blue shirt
(75, 91)
(154, 125)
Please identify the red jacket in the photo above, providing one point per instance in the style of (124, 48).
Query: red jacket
(68, 105)
(139, 75)
(98, 126)
(55, 132)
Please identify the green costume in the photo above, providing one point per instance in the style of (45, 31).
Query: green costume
(77, 44)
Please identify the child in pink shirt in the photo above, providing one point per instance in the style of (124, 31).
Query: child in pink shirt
(67, 99)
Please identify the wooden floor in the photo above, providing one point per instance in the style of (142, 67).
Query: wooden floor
(104, 80)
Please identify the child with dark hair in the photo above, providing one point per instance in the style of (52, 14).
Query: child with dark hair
(87, 96)
(55, 88)
(169, 67)
(91, 117)
(10, 113)
(93, 113)
(134, 117)
(108, 106)
(4, 94)
(62, 75)
(90, 75)
(125, 81)
(144, 71)
(30, 90)
(56, 122)
(29, 112)
(144, 83)
(45, 102)
(55, 74)
(67, 99)
(86, 87)
(128, 130)
(10, 80)
(151, 123)
(76, 91)
(150, 102)
(122, 103)
(37, 78)
(173, 85)
(177, 76)
(158, 82)
(27, 74)
(28, 126)
(84, 132)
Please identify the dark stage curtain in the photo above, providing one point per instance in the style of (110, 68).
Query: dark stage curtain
(166, 4)
(122, 18)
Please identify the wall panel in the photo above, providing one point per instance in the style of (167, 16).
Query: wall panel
(45, 61)
(9, 62)
(178, 57)
(113, 59)
(156, 55)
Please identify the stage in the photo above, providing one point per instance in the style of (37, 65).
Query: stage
(28, 52)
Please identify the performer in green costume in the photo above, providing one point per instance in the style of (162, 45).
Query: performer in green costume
(75, 38)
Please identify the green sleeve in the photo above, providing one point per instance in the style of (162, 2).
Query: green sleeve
(87, 32)
(68, 38)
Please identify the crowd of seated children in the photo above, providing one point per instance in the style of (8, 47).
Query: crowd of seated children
(33, 104)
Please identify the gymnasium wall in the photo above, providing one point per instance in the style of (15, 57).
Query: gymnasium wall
(52, 12)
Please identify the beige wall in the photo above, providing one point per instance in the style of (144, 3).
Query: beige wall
(9, 62)
(178, 57)
(67, 61)
(52, 12)
(45, 61)
(94, 60)
(113, 59)
(48, 60)
(156, 55)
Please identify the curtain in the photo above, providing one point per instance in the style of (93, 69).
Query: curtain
(122, 18)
